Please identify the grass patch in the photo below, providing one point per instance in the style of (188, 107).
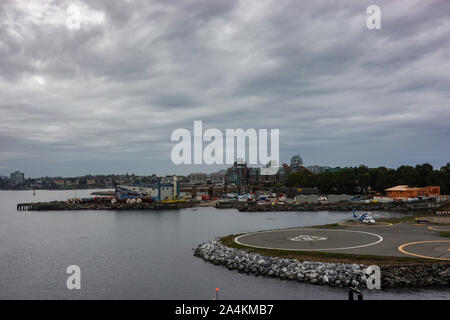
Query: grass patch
(327, 226)
(444, 206)
(321, 256)
(406, 219)
(445, 234)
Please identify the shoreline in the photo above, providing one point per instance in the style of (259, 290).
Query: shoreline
(105, 204)
(337, 206)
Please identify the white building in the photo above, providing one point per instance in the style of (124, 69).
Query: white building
(158, 191)
(317, 169)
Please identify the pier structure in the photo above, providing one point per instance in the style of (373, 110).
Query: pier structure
(24, 206)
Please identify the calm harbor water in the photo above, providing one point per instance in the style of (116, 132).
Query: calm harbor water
(144, 255)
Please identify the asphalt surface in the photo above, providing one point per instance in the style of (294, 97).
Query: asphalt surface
(399, 240)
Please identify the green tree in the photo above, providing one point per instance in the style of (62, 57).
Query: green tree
(444, 179)
(353, 180)
(406, 175)
(424, 174)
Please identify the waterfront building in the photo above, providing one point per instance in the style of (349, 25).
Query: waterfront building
(197, 178)
(59, 182)
(405, 192)
(292, 192)
(167, 179)
(17, 178)
(187, 192)
(71, 182)
(218, 177)
(157, 192)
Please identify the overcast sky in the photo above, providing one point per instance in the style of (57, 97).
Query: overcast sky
(106, 97)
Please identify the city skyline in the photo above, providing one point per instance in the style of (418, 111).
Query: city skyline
(105, 97)
(313, 168)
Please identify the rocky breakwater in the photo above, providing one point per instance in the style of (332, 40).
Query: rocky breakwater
(333, 274)
(226, 204)
(322, 273)
(62, 206)
(420, 275)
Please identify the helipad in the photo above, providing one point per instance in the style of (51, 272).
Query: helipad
(399, 240)
(304, 239)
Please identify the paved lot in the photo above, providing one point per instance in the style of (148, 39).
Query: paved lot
(442, 220)
(413, 240)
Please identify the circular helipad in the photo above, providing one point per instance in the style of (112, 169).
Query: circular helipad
(307, 239)
(432, 249)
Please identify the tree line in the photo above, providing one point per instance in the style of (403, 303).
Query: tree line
(363, 179)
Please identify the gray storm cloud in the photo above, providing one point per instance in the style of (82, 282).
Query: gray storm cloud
(105, 98)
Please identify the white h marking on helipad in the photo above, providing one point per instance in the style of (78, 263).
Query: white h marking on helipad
(307, 237)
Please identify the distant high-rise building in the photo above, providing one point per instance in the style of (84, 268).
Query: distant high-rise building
(237, 174)
(17, 178)
(296, 161)
(296, 164)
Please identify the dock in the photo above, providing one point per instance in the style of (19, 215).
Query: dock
(24, 206)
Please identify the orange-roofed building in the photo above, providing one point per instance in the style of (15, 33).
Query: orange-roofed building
(405, 191)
